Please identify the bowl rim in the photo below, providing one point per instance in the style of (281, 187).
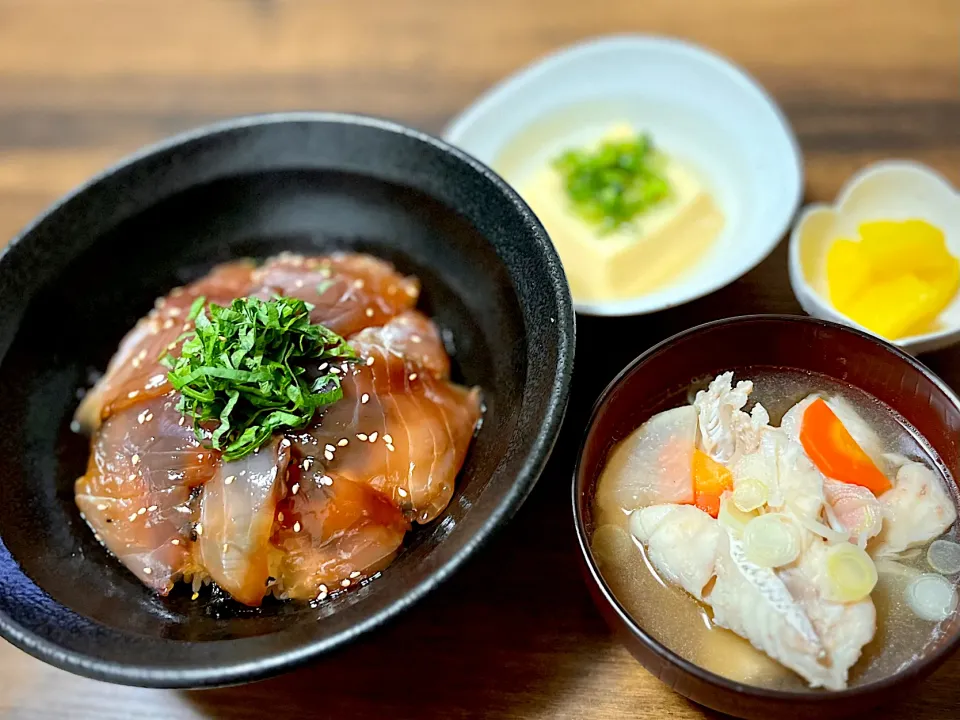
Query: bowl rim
(204, 674)
(489, 99)
(914, 671)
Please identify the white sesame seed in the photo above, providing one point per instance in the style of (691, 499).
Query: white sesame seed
(172, 345)
(328, 455)
(391, 447)
(131, 477)
(413, 376)
(401, 492)
(101, 507)
(326, 480)
(388, 438)
(370, 361)
(175, 541)
(358, 283)
(135, 459)
(175, 311)
(195, 596)
(147, 571)
(285, 443)
(296, 526)
(168, 323)
(295, 489)
(335, 370)
(368, 312)
(345, 583)
(323, 367)
(186, 326)
(329, 448)
(362, 437)
(298, 284)
(142, 417)
(199, 529)
(132, 394)
(307, 463)
(280, 516)
(342, 442)
(180, 421)
(155, 381)
(229, 479)
(142, 511)
(354, 575)
(416, 339)
(152, 508)
(132, 517)
(364, 399)
(373, 437)
(411, 291)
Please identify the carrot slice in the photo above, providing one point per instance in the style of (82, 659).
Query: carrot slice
(710, 481)
(834, 451)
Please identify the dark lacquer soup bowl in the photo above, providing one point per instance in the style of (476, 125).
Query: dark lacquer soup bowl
(82, 274)
(662, 378)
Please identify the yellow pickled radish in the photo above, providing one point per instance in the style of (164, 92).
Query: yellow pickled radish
(848, 273)
(732, 517)
(750, 494)
(851, 574)
(896, 279)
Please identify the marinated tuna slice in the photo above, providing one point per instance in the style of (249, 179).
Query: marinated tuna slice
(411, 336)
(334, 532)
(236, 520)
(135, 372)
(136, 493)
(398, 428)
(349, 292)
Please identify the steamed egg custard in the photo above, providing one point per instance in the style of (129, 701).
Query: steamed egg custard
(625, 218)
(817, 552)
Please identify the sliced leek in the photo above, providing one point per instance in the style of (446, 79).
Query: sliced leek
(771, 540)
(932, 597)
(944, 557)
(750, 494)
(851, 574)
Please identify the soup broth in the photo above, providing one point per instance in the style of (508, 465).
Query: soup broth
(677, 620)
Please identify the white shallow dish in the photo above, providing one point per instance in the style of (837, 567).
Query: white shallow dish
(699, 108)
(888, 190)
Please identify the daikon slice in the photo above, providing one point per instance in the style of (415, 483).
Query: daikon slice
(932, 597)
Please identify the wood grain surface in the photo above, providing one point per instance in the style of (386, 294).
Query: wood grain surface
(513, 635)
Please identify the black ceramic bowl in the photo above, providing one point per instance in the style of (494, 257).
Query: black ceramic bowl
(660, 379)
(81, 275)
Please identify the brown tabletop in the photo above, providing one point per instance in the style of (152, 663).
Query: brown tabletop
(514, 633)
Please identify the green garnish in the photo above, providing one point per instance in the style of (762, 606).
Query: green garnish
(245, 366)
(614, 183)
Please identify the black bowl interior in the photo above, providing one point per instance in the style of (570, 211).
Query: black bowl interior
(76, 281)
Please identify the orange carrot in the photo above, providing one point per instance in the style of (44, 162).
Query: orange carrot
(710, 481)
(834, 451)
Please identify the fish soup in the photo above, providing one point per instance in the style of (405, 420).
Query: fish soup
(782, 530)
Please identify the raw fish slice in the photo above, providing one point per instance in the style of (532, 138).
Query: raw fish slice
(411, 336)
(801, 484)
(726, 432)
(236, 520)
(136, 494)
(654, 464)
(916, 510)
(854, 510)
(682, 543)
(755, 603)
(134, 373)
(398, 428)
(843, 628)
(348, 291)
(334, 533)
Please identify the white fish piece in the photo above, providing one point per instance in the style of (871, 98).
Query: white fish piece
(653, 465)
(843, 628)
(755, 603)
(726, 432)
(682, 543)
(915, 510)
(801, 484)
(854, 510)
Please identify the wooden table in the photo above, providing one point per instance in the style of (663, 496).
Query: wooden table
(513, 634)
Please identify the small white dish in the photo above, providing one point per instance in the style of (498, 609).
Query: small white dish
(889, 190)
(699, 108)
